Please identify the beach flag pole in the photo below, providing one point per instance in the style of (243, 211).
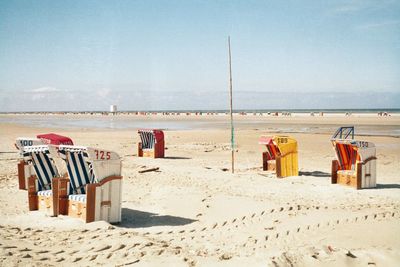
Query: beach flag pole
(230, 102)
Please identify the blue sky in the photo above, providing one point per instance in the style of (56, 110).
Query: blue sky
(111, 50)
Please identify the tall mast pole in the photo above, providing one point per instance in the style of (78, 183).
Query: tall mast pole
(230, 102)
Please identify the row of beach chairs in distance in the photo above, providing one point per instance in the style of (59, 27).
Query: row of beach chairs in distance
(86, 183)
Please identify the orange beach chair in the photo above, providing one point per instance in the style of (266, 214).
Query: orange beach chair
(355, 163)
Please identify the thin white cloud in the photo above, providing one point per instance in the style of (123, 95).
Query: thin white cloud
(350, 7)
(376, 25)
(45, 89)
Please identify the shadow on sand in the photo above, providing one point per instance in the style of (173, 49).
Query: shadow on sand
(177, 158)
(315, 173)
(387, 186)
(140, 219)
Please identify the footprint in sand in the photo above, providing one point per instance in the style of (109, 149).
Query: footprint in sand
(77, 259)
(102, 248)
(92, 257)
(119, 247)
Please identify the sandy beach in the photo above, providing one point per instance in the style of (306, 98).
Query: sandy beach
(194, 212)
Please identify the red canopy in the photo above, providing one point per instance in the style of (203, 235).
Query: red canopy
(265, 140)
(55, 139)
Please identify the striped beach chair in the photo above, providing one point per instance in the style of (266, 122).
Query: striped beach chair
(152, 143)
(355, 163)
(40, 185)
(281, 155)
(93, 190)
(24, 169)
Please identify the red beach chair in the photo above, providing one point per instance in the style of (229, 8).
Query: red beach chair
(152, 143)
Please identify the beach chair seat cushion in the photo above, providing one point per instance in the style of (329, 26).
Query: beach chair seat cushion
(347, 172)
(45, 193)
(78, 198)
(271, 165)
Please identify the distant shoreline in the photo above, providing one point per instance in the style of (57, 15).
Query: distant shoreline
(204, 112)
(370, 124)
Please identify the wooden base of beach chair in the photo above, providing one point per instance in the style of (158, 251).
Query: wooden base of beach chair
(268, 165)
(283, 166)
(156, 152)
(21, 175)
(24, 172)
(334, 169)
(364, 176)
(287, 165)
(77, 209)
(32, 194)
(103, 202)
(45, 204)
(348, 178)
(60, 195)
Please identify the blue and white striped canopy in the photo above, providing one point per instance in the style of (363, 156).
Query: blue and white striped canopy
(79, 168)
(43, 164)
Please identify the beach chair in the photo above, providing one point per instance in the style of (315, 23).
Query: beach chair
(281, 155)
(93, 190)
(24, 169)
(40, 184)
(355, 163)
(152, 143)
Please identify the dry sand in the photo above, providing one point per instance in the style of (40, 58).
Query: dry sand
(193, 213)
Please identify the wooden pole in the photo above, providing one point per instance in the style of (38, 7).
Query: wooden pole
(230, 104)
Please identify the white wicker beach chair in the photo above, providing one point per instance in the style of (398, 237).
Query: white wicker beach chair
(95, 184)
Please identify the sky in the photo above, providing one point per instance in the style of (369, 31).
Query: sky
(86, 55)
